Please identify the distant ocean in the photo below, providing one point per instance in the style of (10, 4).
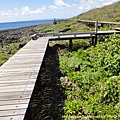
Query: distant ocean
(19, 24)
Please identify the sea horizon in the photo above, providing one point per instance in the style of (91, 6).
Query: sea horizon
(27, 23)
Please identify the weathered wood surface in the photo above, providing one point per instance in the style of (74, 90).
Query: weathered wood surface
(100, 22)
(18, 77)
(118, 29)
(82, 35)
(108, 32)
(65, 36)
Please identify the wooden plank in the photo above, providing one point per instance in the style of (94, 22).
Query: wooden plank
(84, 35)
(30, 65)
(17, 117)
(24, 65)
(71, 37)
(3, 78)
(10, 74)
(14, 89)
(107, 32)
(13, 107)
(103, 22)
(27, 92)
(21, 62)
(118, 29)
(16, 95)
(17, 87)
(8, 113)
(16, 82)
(16, 77)
(88, 21)
(21, 69)
(13, 81)
(14, 102)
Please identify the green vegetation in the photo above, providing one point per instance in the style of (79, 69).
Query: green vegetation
(96, 71)
(7, 51)
(106, 13)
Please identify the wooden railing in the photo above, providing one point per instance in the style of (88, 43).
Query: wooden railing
(100, 22)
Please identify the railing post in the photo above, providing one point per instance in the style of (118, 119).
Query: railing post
(96, 26)
(95, 39)
(96, 30)
(92, 41)
(70, 44)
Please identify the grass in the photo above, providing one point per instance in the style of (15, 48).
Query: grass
(7, 51)
(106, 13)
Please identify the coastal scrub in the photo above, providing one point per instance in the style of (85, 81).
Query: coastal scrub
(96, 71)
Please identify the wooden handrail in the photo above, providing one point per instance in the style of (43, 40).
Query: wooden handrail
(46, 34)
(76, 33)
(100, 22)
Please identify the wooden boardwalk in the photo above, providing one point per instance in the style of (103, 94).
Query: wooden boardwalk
(19, 74)
(17, 79)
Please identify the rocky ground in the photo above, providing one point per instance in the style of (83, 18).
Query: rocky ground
(15, 35)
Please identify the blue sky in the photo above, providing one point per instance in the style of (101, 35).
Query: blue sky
(20, 10)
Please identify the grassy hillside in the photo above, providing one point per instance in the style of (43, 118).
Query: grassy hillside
(106, 13)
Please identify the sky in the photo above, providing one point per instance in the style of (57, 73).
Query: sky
(22, 10)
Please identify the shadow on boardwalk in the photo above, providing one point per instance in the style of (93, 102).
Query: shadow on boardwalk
(48, 97)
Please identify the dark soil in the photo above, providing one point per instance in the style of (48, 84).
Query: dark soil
(48, 97)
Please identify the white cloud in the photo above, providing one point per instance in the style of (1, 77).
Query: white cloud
(85, 5)
(74, 5)
(107, 2)
(59, 4)
(53, 7)
(9, 13)
(26, 10)
(88, 4)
